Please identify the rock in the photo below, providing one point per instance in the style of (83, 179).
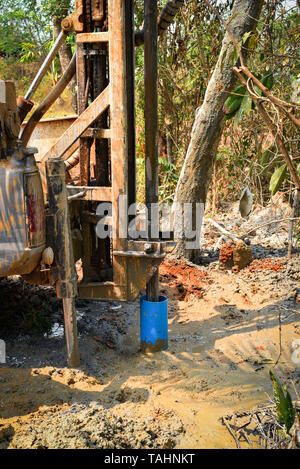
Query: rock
(6, 432)
(236, 255)
(242, 255)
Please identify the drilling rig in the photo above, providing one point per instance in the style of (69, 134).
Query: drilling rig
(48, 221)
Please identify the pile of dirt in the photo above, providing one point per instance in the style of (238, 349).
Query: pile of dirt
(267, 234)
(235, 255)
(274, 271)
(183, 279)
(266, 264)
(226, 255)
(94, 427)
(266, 228)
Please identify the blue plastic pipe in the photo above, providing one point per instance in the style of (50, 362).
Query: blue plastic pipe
(154, 324)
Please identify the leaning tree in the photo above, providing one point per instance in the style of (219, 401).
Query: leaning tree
(210, 117)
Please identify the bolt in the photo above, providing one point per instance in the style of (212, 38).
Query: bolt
(67, 24)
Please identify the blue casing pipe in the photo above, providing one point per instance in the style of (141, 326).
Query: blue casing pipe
(154, 324)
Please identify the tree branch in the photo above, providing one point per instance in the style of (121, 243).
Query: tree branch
(273, 128)
(228, 30)
(278, 102)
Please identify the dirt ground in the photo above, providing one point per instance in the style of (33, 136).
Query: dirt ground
(225, 331)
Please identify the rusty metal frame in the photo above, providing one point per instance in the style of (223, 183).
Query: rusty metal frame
(110, 36)
(81, 125)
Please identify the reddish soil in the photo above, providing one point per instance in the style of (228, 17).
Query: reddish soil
(266, 264)
(226, 253)
(182, 279)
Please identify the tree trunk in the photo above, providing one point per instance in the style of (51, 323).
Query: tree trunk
(209, 120)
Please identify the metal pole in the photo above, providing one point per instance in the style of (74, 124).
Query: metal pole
(151, 121)
(59, 231)
(45, 67)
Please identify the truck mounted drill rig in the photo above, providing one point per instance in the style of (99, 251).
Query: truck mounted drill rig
(47, 222)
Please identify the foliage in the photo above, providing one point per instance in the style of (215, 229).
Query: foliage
(257, 159)
(23, 28)
(26, 26)
(277, 179)
(285, 410)
(26, 36)
(239, 103)
(188, 53)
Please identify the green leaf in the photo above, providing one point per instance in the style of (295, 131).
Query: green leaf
(289, 410)
(247, 105)
(162, 160)
(234, 102)
(277, 179)
(279, 398)
(261, 57)
(246, 36)
(266, 156)
(285, 410)
(244, 109)
(252, 43)
(268, 81)
(251, 40)
(238, 118)
(237, 93)
(234, 105)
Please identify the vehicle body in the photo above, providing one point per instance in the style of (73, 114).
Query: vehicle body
(22, 212)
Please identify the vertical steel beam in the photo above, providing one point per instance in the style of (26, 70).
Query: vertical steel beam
(130, 105)
(59, 225)
(83, 84)
(119, 126)
(151, 120)
(92, 74)
(101, 255)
